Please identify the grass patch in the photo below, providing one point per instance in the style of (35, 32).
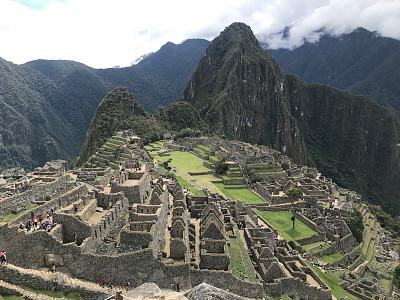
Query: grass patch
(331, 258)
(184, 162)
(370, 251)
(333, 282)
(236, 258)
(10, 217)
(281, 221)
(230, 178)
(312, 245)
(240, 261)
(189, 187)
(298, 175)
(11, 297)
(205, 147)
(54, 294)
(244, 195)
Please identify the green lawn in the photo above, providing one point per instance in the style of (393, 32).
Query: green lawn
(281, 221)
(333, 282)
(244, 195)
(331, 258)
(184, 162)
(240, 261)
(312, 245)
(188, 186)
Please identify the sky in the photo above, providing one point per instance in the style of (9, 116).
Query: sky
(104, 34)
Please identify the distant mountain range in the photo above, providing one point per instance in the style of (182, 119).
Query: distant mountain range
(360, 62)
(46, 106)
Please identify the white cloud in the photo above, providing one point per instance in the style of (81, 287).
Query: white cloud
(104, 33)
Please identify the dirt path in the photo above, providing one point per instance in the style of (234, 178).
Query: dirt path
(167, 233)
(241, 233)
(197, 241)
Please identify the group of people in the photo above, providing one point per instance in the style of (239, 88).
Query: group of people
(41, 224)
(3, 257)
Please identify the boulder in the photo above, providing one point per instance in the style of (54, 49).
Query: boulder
(146, 290)
(53, 259)
(205, 291)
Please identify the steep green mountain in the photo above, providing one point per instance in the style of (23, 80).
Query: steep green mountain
(241, 93)
(31, 132)
(117, 111)
(360, 62)
(46, 106)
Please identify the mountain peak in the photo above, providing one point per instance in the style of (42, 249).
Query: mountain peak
(237, 32)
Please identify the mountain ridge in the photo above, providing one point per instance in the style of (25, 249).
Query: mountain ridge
(361, 62)
(47, 105)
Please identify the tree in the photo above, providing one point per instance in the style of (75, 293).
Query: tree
(356, 225)
(396, 277)
(294, 193)
(221, 167)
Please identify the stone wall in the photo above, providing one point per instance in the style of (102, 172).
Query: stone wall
(63, 200)
(296, 287)
(137, 193)
(43, 192)
(136, 239)
(158, 234)
(136, 267)
(312, 239)
(55, 282)
(226, 280)
(88, 210)
(306, 221)
(74, 230)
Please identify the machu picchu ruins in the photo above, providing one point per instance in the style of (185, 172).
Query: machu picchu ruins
(132, 215)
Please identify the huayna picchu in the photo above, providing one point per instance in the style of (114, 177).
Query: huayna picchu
(271, 200)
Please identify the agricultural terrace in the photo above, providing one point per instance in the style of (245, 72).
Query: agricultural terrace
(281, 221)
(185, 163)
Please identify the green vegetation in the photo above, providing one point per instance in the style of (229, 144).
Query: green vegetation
(387, 221)
(333, 282)
(11, 217)
(188, 186)
(312, 245)
(282, 222)
(356, 225)
(221, 167)
(240, 260)
(331, 258)
(396, 277)
(294, 193)
(54, 294)
(244, 195)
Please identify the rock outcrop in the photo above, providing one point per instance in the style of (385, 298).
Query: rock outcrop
(205, 291)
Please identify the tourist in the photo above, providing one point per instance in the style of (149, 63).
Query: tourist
(102, 281)
(40, 218)
(3, 257)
